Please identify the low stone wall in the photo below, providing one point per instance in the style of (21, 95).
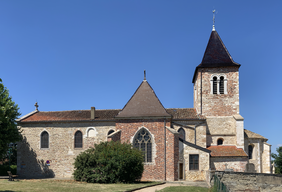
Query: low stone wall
(241, 181)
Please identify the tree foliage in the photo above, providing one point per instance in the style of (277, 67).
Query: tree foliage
(9, 112)
(109, 162)
(278, 160)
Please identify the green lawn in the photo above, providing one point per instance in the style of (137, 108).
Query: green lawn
(184, 189)
(64, 186)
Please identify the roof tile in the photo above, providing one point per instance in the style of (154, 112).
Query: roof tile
(226, 151)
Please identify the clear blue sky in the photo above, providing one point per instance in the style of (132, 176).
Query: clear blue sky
(71, 55)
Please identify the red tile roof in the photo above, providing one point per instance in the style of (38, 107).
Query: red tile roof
(226, 151)
(107, 114)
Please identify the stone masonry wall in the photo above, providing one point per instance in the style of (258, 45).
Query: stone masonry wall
(154, 170)
(266, 161)
(204, 164)
(251, 181)
(61, 152)
(238, 164)
(217, 104)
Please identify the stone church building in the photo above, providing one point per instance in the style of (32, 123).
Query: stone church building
(178, 143)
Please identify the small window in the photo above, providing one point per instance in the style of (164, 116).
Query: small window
(219, 141)
(110, 132)
(221, 85)
(44, 139)
(251, 148)
(78, 139)
(193, 162)
(143, 142)
(214, 85)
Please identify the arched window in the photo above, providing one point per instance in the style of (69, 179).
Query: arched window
(78, 139)
(44, 140)
(182, 136)
(219, 141)
(143, 142)
(251, 148)
(214, 84)
(221, 85)
(110, 132)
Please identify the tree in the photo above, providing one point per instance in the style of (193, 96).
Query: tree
(109, 162)
(277, 160)
(9, 112)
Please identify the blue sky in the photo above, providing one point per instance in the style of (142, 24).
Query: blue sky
(71, 55)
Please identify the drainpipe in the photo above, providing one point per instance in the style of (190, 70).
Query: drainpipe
(164, 150)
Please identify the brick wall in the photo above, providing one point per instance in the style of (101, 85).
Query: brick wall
(238, 164)
(156, 169)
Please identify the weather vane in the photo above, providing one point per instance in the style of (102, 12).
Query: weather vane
(144, 75)
(213, 19)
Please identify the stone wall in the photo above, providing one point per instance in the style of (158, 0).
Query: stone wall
(266, 158)
(217, 104)
(238, 164)
(251, 181)
(257, 152)
(204, 164)
(32, 158)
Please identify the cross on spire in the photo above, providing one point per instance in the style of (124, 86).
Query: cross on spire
(213, 20)
(36, 106)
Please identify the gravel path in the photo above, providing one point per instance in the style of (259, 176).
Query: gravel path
(184, 183)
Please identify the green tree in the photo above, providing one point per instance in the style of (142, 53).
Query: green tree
(109, 162)
(277, 160)
(9, 112)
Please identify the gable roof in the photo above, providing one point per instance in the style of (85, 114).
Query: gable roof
(143, 103)
(216, 55)
(252, 135)
(75, 115)
(100, 115)
(226, 151)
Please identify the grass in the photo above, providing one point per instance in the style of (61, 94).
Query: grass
(65, 186)
(184, 189)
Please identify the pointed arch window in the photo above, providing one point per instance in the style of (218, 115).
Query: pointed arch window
(143, 142)
(44, 140)
(78, 139)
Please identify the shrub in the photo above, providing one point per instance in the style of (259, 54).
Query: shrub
(5, 168)
(109, 162)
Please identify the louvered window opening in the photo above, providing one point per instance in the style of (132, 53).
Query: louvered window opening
(44, 140)
(78, 140)
(214, 85)
(221, 85)
(250, 151)
(193, 162)
(143, 142)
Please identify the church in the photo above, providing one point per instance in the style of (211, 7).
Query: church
(177, 143)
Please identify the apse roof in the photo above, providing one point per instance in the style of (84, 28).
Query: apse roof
(143, 103)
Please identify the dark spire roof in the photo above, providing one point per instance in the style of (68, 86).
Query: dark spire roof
(144, 103)
(216, 54)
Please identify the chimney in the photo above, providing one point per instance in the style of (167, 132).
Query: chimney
(92, 113)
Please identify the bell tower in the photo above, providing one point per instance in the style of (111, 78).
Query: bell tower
(216, 81)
